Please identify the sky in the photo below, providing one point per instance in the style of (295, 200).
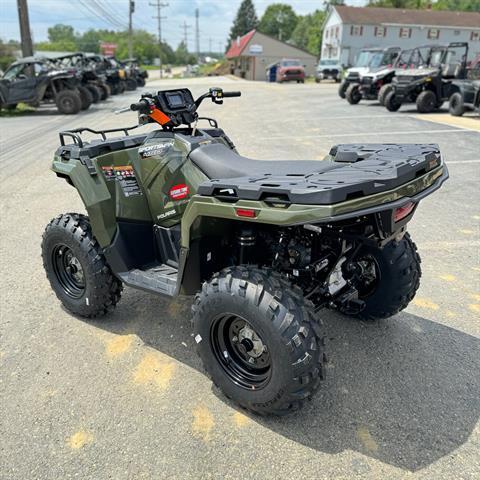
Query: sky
(216, 17)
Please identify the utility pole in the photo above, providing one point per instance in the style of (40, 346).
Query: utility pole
(197, 35)
(27, 46)
(131, 9)
(159, 17)
(185, 33)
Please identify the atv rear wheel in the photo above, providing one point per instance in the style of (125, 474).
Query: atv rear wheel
(383, 92)
(456, 105)
(85, 97)
(391, 102)
(387, 279)
(353, 94)
(76, 267)
(427, 102)
(258, 339)
(68, 102)
(104, 91)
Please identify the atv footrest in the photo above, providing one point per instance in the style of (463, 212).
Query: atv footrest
(161, 279)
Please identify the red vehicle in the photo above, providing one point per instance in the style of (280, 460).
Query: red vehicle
(290, 70)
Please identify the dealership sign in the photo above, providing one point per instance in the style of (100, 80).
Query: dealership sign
(108, 48)
(255, 49)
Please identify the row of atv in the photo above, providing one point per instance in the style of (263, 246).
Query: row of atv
(427, 76)
(72, 82)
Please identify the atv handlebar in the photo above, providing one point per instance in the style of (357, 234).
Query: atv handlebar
(143, 106)
(232, 94)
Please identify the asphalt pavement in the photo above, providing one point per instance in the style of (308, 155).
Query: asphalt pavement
(125, 397)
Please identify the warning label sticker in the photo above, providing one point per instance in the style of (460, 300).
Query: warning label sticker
(125, 177)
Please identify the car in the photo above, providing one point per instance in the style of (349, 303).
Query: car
(368, 59)
(328, 68)
(429, 87)
(31, 80)
(290, 70)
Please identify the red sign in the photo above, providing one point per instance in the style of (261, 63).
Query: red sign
(108, 48)
(177, 192)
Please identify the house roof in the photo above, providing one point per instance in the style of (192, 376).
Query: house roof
(398, 16)
(237, 46)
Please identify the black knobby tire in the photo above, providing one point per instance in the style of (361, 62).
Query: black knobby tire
(105, 91)
(283, 320)
(398, 278)
(68, 102)
(383, 92)
(122, 86)
(353, 94)
(85, 97)
(342, 89)
(95, 92)
(456, 105)
(140, 82)
(90, 290)
(391, 102)
(131, 84)
(426, 102)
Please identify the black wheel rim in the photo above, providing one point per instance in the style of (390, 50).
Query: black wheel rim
(69, 271)
(240, 351)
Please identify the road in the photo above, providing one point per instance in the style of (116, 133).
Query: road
(126, 398)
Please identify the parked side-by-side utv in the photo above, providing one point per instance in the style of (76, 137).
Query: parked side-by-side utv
(138, 73)
(368, 59)
(429, 87)
(34, 82)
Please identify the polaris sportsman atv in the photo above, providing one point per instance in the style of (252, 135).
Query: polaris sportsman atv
(264, 246)
(430, 87)
(369, 59)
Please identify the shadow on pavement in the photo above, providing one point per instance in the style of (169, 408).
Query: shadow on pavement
(404, 391)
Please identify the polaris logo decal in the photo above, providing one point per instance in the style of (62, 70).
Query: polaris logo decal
(177, 192)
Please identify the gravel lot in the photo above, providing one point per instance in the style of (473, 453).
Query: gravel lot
(125, 397)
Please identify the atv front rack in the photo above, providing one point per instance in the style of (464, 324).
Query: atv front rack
(75, 135)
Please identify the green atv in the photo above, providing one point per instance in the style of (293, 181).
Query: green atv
(264, 246)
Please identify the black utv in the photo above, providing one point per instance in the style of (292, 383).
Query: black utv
(128, 73)
(377, 84)
(467, 97)
(32, 81)
(368, 59)
(430, 87)
(138, 73)
(94, 82)
(114, 75)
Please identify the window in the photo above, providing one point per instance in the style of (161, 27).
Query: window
(433, 33)
(337, 29)
(326, 33)
(356, 30)
(405, 32)
(475, 36)
(380, 31)
(456, 33)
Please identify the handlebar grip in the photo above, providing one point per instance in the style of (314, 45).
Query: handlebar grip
(232, 94)
(140, 106)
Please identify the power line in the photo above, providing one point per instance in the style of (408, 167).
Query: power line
(101, 16)
(159, 17)
(185, 32)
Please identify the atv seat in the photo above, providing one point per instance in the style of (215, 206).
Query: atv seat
(218, 161)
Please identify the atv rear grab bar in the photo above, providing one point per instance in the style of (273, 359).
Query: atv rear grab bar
(76, 134)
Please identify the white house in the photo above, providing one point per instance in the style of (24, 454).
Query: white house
(349, 29)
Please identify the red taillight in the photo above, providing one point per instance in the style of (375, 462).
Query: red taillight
(401, 212)
(245, 212)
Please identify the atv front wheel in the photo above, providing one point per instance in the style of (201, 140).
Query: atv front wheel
(258, 339)
(95, 92)
(353, 94)
(76, 267)
(68, 102)
(456, 105)
(386, 279)
(427, 102)
(391, 102)
(383, 92)
(85, 97)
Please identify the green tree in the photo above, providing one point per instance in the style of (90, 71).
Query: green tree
(279, 20)
(245, 20)
(458, 5)
(7, 54)
(183, 56)
(308, 32)
(61, 33)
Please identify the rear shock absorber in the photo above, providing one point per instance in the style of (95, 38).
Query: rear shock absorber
(246, 239)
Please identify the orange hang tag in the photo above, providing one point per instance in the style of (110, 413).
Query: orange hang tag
(159, 116)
